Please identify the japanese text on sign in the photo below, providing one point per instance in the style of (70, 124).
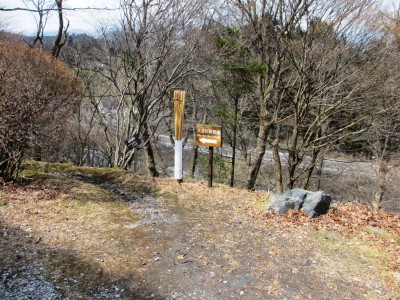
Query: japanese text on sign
(208, 135)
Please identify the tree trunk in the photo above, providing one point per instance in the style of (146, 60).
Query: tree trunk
(59, 41)
(81, 154)
(37, 152)
(319, 172)
(293, 160)
(170, 133)
(150, 162)
(266, 93)
(277, 162)
(310, 169)
(381, 178)
(380, 185)
(128, 159)
(195, 152)
(234, 142)
(260, 151)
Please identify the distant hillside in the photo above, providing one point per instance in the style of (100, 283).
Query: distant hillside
(48, 40)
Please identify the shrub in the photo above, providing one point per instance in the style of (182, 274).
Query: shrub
(37, 93)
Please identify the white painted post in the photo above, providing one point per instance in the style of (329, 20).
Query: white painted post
(178, 171)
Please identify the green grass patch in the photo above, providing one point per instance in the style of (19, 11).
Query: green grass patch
(35, 168)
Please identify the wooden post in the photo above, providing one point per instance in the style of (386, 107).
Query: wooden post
(179, 104)
(210, 165)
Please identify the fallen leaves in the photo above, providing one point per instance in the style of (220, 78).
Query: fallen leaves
(359, 221)
(343, 218)
(295, 270)
(180, 257)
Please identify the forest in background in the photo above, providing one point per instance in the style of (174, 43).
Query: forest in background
(306, 79)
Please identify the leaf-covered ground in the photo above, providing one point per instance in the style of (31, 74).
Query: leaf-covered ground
(105, 234)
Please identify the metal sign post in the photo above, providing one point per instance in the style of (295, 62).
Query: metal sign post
(210, 136)
(179, 104)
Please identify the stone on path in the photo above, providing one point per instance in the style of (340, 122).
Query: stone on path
(312, 203)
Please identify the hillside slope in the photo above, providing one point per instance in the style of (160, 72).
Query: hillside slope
(105, 234)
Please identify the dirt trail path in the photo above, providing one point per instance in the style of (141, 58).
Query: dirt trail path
(161, 240)
(204, 247)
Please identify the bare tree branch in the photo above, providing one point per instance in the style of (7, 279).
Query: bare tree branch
(55, 9)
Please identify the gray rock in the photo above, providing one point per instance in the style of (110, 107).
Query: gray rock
(312, 203)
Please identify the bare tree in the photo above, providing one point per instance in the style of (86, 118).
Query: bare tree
(265, 25)
(315, 64)
(326, 85)
(42, 9)
(383, 136)
(150, 53)
(61, 36)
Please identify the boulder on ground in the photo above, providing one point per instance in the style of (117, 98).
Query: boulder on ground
(312, 203)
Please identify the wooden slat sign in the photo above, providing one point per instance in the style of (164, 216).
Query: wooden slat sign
(210, 136)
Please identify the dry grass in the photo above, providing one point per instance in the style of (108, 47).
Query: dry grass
(79, 229)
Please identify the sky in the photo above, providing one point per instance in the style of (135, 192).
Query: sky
(80, 21)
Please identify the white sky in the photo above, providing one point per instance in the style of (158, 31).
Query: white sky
(80, 21)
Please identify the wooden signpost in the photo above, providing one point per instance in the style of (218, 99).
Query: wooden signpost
(210, 136)
(179, 104)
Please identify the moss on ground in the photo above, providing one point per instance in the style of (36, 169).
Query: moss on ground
(35, 168)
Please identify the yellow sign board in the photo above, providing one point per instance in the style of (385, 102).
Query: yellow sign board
(210, 136)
